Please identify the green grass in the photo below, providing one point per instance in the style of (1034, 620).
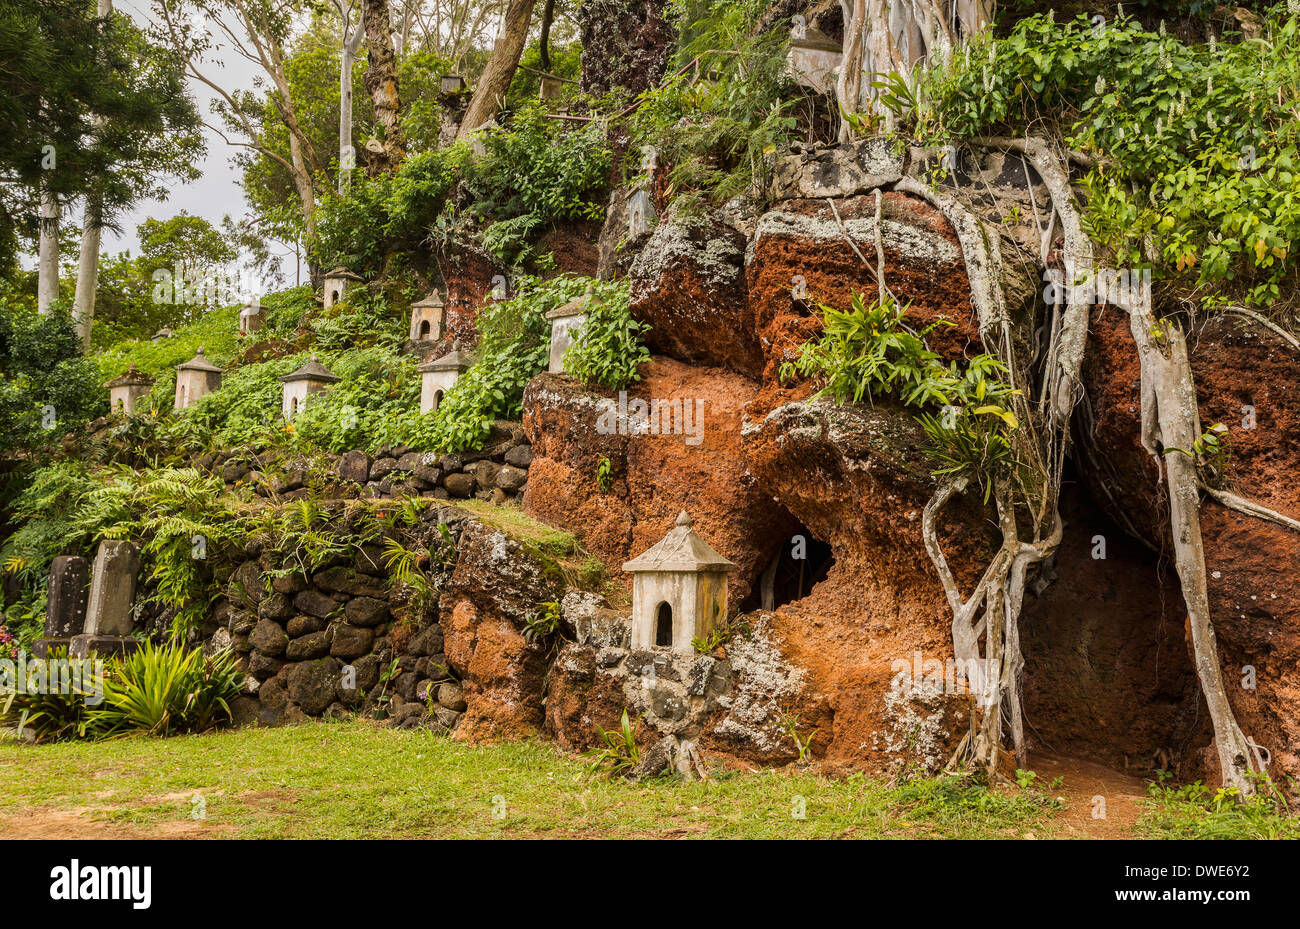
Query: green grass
(556, 549)
(1197, 811)
(517, 524)
(353, 780)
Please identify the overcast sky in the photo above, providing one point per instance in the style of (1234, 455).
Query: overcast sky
(215, 194)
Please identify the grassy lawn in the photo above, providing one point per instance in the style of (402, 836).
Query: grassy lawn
(353, 780)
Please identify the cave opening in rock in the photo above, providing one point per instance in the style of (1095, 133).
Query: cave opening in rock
(664, 626)
(798, 564)
(1108, 676)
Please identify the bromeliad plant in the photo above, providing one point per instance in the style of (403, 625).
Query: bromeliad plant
(156, 690)
(166, 689)
(620, 753)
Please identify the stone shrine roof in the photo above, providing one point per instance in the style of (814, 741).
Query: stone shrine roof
(680, 550)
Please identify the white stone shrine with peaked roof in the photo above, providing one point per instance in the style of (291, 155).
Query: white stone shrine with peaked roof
(679, 590)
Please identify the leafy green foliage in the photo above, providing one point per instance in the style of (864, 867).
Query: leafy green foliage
(620, 752)
(157, 689)
(870, 351)
(513, 345)
(1198, 146)
(390, 212)
(44, 512)
(534, 171)
(167, 512)
(1197, 811)
(610, 349)
(215, 331)
(47, 713)
(543, 624)
(716, 125)
(166, 689)
(46, 387)
(537, 171)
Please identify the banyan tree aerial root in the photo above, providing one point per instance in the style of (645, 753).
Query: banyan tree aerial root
(1170, 423)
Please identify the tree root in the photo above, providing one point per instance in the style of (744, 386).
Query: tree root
(1170, 423)
(1250, 507)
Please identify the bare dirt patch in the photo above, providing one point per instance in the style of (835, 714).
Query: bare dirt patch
(1083, 782)
(81, 824)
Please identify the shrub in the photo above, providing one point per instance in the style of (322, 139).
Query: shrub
(514, 339)
(537, 171)
(869, 351)
(534, 171)
(46, 387)
(168, 511)
(610, 349)
(166, 689)
(1198, 146)
(716, 136)
(391, 212)
(54, 716)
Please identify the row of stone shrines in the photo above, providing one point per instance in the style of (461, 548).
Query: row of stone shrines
(199, 376)
(679, 596)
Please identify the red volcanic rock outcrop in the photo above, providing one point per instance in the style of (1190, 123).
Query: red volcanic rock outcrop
(691, 459)
(1109, 674)
(799, 257)
(855, 478)
(470, 276)
(493, 592)
(688, 282)
(1244, 375)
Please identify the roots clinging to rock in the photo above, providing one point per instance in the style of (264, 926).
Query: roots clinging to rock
(1170, 428)
(1027, 497)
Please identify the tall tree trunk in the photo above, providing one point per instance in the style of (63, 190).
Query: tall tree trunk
(47, 269)
(83, 303)
(544, 40)
(500, 70)
(381, 83)
(352, 37)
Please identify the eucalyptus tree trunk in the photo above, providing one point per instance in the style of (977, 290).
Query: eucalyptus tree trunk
(500, 70)
(83, 303)
(47, 268)
(381, 84)
(352, 36)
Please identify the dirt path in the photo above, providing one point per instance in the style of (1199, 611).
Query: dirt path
(1085, 786)
(79, 824)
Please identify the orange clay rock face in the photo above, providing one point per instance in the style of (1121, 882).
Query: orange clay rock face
(688, 282)
(769, 471)
(1248, 379)
(834, 643)
(470, 276)
(496, 587)
(800, 258)
(698, 467)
